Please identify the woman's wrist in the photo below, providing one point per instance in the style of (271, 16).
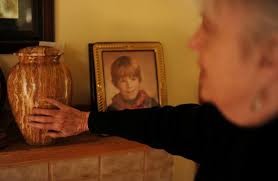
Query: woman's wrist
(83, 127)
(85, 124)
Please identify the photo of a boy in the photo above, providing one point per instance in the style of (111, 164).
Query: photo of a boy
(127, 78)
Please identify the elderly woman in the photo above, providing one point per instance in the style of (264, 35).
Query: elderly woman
(233, 134)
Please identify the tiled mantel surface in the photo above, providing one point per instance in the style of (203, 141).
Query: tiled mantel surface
(84, 157)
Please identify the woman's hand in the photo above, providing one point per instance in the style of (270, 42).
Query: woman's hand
(62, 122)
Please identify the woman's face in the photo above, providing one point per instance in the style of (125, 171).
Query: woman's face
(227, 76)
(129, 87)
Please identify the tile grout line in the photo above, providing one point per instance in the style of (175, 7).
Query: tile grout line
(50, 172)
(144, 166)
(99, 167)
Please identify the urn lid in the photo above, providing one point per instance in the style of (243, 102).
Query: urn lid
(39, 51)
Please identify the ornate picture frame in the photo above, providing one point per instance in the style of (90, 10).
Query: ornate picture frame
(34, 23)
(127, 75)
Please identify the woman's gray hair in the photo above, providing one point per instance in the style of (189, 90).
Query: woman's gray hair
(263, 16)
(264, 23)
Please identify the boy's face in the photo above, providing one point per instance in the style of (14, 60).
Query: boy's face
(129, 87)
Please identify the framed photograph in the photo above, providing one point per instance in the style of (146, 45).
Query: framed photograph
(25, 23)
(127, 75)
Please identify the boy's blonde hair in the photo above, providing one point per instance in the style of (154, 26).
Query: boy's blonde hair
(124, 66)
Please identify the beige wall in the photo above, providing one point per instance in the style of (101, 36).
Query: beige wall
(169, 22)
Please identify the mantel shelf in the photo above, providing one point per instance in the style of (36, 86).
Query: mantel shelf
(87, 144)
(78, 146)
(82, 157)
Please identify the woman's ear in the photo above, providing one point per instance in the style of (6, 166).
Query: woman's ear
(269, 60)
(267, 65)
(267, 74)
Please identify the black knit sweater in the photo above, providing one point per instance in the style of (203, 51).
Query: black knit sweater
(223, 151)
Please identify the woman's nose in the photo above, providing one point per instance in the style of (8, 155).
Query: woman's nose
(195, 43)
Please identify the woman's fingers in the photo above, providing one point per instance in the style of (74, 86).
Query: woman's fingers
(46, 112)
(40, 119)
(55, 103)
(44, 126)
(54, 134)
